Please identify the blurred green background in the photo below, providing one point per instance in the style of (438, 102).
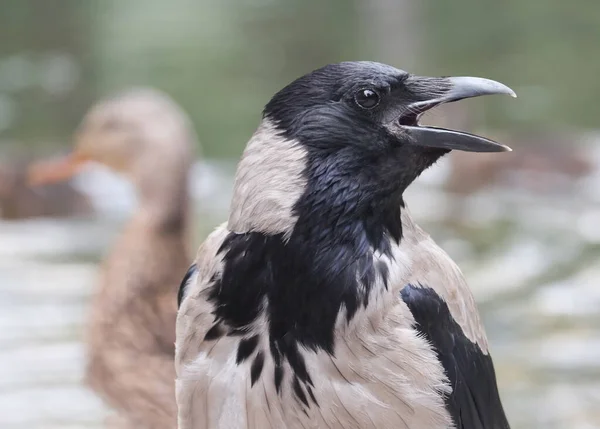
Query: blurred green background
(524, 228)
(223, 59)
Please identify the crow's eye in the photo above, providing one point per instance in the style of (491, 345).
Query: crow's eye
(366, 98)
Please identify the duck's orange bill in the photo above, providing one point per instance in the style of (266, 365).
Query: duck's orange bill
(54, 171)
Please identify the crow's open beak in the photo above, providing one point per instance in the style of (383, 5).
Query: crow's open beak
(431, 92)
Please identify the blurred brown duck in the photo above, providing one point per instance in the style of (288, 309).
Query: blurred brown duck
(148, 138)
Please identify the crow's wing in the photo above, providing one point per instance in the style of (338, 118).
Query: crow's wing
(474, 402)
(184, 283)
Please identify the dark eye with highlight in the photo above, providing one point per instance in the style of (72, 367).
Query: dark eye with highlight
(366, 98)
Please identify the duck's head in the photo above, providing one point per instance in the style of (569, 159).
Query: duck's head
(133, 133)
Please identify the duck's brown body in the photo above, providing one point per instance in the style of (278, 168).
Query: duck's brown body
(131, 334)
(132, 331)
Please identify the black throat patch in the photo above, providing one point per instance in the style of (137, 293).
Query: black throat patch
(300, 285)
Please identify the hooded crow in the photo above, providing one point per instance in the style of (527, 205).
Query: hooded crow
(320, 303)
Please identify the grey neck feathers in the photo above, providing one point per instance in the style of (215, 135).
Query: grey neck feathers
(268, 182)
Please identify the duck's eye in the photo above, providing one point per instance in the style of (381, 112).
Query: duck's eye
(366, 98)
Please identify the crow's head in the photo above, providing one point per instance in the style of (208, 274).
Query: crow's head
(366, 107)
(343, 142)
(318, 196)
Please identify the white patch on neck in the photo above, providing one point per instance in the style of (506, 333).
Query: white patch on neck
(268, 182)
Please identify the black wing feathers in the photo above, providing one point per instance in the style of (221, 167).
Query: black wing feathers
(188, 275)
(474, 402)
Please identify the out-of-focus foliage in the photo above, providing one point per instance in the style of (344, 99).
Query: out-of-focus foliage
(223, 59)
(46, 78)
(546, 49)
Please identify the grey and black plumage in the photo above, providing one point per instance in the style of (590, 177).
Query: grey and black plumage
(320, 303)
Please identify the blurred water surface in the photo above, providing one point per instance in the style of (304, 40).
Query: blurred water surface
(539, 300)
